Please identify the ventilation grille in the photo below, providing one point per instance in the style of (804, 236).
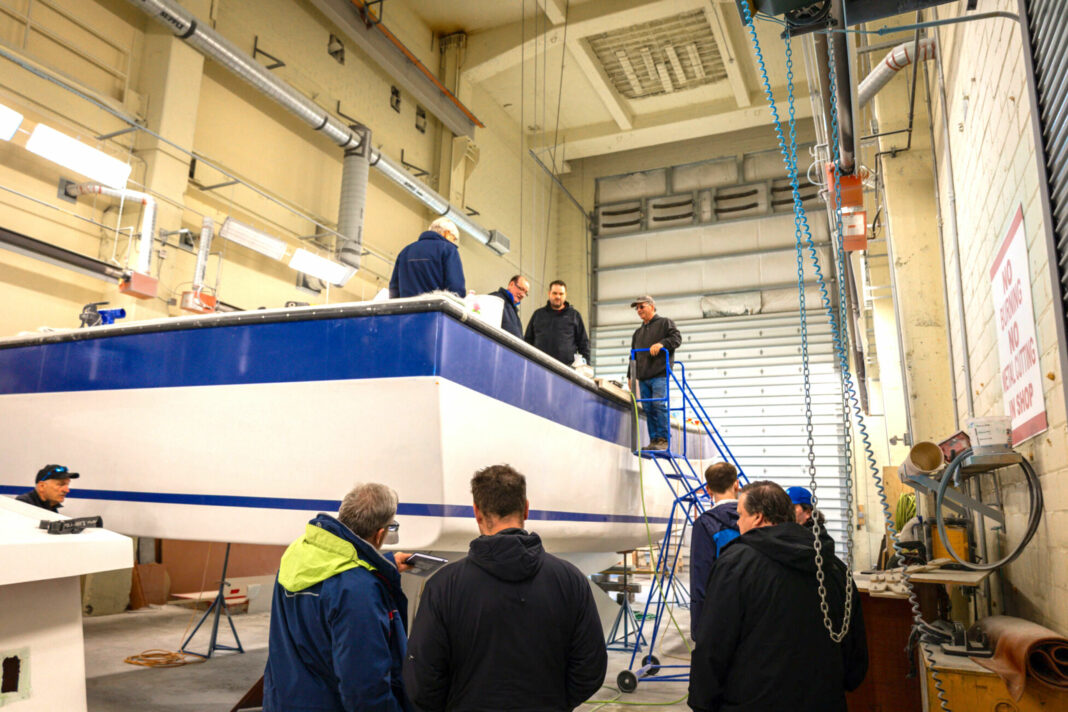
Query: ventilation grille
(660, 57)
(671, 210)
(620, 218)
(740, 201)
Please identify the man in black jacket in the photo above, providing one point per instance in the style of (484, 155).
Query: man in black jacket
(508, 627)
(50, 488)
(761, 641)
(557, 327)
(650, 369)
(512, 295)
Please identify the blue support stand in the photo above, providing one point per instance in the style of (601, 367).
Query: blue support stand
(218, 606)
(626, 623)
(690, 497)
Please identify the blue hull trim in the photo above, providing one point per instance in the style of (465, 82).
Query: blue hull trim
(359, 347)
(413, 509)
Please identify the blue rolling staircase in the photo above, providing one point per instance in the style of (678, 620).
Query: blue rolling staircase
(690, 500)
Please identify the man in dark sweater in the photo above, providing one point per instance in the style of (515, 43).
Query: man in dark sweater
(430, 264)
(761, 643)
(557, 327)
(712, 530)
(509, 627)
(512, 295)
(50, 488)
(649, 368)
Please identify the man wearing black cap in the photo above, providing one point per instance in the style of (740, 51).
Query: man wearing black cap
(650, 369)
(51, 488)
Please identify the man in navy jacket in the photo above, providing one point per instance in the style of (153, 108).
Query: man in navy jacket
(430, 264)
(339, 618)
(512, 295)
(716, 526)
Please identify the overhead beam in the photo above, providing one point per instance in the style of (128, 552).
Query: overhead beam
(555, 10)
(400, 67)
(494, 51)
(666, 127)
(601, 83)
(731, 62)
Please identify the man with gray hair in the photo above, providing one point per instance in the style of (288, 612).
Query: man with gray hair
(430, 264)
(339, 617)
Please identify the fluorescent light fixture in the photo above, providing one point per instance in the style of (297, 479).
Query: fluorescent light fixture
(628, 71)
(75, 155)
(673, 57)
(327, 270)
(695, 60)
(253, 239)
(10, 120)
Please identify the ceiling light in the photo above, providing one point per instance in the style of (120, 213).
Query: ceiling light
(695, 60)
(75, 155)
(327, 270)
(628, 71)
(10, 120)
(252, 238)
(673, 57)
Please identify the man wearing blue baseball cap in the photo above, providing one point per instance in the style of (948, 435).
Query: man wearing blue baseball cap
(802, 500)
(51, 488)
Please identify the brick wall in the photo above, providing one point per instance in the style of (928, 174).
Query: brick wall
(996, 171)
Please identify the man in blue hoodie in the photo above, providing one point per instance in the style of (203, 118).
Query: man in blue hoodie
(712, 531)
(339, 618)
(509, 627)
(430, 264)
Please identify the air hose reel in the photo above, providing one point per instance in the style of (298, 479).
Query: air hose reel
(972, 464)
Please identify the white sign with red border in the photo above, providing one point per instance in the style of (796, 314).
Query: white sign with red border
(1014, 319)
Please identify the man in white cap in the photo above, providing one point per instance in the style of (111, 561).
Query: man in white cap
(649, 368)
(430, 264)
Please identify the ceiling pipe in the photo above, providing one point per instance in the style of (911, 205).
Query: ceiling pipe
(148, 217)
(897, 59)
(214, 46)
(838, 43)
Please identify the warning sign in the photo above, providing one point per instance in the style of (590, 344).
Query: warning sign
(1014, 317)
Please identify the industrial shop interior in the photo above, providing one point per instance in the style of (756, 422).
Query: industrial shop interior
(533, 355)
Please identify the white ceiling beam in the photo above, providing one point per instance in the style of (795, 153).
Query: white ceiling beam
(667, 127)
(731, 62)
(494, 51)
(602, 85)
(555, 10)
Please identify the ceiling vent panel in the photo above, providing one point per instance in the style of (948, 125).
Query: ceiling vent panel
(664, 56)
(619, 218)
(741, 201)
(671, 210)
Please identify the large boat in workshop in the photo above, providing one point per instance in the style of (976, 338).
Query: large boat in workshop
(239, 427)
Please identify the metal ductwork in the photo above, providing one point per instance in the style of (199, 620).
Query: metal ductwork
(214, 46)
(897, 59)
(354, 172)
(148, 217)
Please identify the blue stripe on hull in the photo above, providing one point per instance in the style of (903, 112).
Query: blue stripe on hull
(383, 346)
(413, 509)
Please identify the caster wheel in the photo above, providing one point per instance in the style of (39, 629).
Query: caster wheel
(654, 664)
(626, 681)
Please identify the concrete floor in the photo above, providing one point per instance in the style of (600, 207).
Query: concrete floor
(215, 685)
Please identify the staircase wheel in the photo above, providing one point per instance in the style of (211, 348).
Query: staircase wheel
(654, 664)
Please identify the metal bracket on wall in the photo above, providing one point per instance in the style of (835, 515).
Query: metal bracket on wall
(353, 122)
(471, 212)
(113, 134)
(367, 14)
(416, 170)
(256, 51)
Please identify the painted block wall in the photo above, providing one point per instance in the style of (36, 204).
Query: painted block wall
(230, 125)
(996, 171)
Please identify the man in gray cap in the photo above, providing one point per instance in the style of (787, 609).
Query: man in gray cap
(649, 368)
(50, 488)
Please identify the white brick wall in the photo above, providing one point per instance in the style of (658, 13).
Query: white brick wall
(996, 171)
